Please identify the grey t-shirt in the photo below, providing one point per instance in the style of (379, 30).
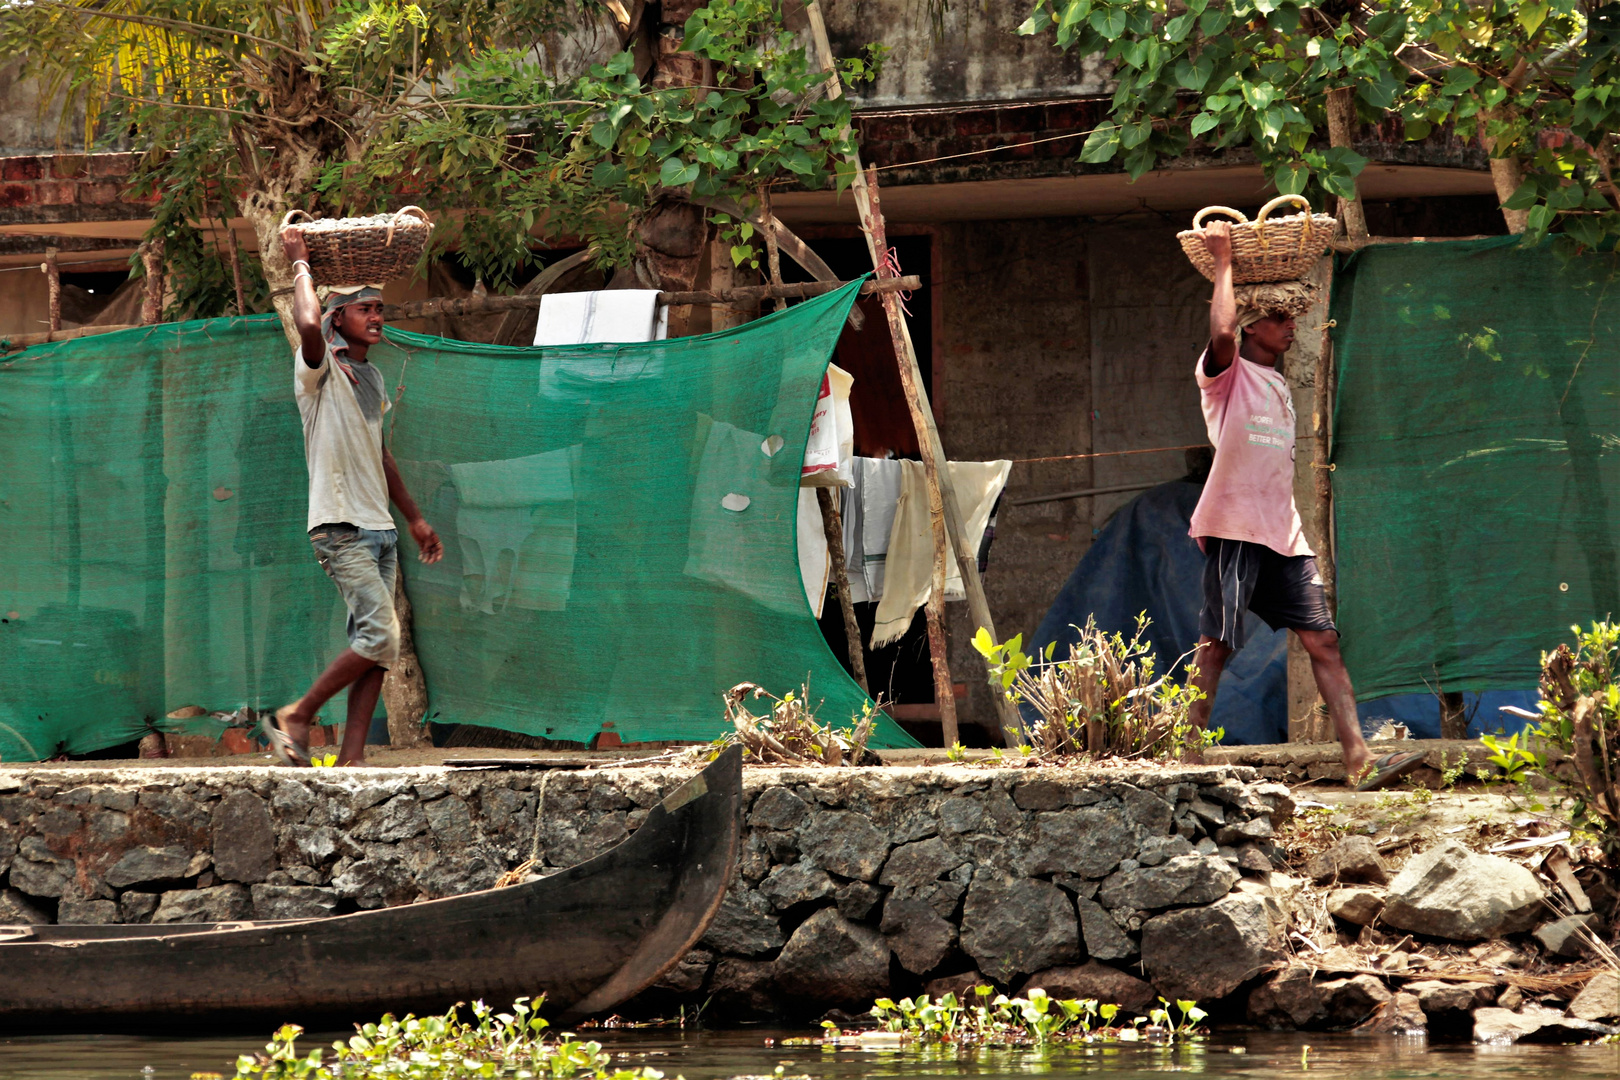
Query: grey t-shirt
(343, 441)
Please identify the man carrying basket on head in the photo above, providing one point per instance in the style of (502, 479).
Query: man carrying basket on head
(1256, 557)
(352, 479)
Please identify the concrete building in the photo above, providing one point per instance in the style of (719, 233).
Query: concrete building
(1060, 317)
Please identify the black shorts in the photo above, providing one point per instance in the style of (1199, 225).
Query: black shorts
(1284, 590)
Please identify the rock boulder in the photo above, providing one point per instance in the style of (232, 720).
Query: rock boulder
(1352, 859)
(830, 960)
(222, 903)
(1534, 1023)
(1599, 999)
(1205, 953)
(1011, 925)
(1452, 892)
(916, 933)
(1358, 904)
(1179, 882)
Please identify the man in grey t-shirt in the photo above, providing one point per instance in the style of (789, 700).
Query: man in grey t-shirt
(352, 479)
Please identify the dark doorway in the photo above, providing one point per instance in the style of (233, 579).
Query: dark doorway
(902, 673)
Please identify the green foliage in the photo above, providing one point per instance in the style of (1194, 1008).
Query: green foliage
(789, 733)
(1104, 698)
(1257, 74)
(355, 106)
(440, 1048)
(989, 1017)
(1185, 1024)
(1580, 709)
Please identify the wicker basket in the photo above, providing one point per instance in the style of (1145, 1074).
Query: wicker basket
(363, 251)
(1267, 248)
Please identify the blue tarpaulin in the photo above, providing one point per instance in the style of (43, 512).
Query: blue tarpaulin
(1144, 561)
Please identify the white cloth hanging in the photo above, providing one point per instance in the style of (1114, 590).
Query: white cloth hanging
(604, 316)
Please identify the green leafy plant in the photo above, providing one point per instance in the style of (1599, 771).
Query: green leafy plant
(1535, 81)
(1179, 1026)
(356, 106)
(440, 1048)
(957, 752)
(1580, 709)
(989, 1017)
(789, 733)
(1105, 698)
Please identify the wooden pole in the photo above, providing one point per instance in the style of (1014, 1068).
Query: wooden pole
(236, 268)
(23, 341)
(833, 522)
(152, 302)
(741, 295)
(941, 490)
(53, 282)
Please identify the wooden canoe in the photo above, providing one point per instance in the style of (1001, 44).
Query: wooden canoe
(588, 937)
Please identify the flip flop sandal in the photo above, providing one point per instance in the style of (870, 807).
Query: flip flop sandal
(1388, 769)
(282, 745)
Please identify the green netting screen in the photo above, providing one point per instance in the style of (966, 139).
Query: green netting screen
(152, 512)
(1477, 445)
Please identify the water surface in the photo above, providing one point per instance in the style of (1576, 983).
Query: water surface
(723, 1054)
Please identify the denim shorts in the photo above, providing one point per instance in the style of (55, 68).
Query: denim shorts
(363, 562)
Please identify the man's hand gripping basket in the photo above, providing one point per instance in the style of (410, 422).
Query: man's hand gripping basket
(1267, 248)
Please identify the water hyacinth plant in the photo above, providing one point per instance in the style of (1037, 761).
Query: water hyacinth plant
(986, 1016)
(509, 1044)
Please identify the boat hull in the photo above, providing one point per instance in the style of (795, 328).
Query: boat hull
(587, 938)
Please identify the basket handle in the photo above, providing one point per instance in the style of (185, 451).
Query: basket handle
(389, 239)
(1297, 200)
(1265, 211)
(1198, 218)
(288, 220)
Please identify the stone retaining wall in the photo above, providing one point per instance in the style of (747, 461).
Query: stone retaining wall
(852, 883)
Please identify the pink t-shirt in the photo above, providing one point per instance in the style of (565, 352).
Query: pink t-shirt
(1250, 491)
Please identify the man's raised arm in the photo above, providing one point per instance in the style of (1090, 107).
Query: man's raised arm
(1223, 317)
(306, 307)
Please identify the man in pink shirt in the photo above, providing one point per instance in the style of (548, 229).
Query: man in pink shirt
(1256, 557)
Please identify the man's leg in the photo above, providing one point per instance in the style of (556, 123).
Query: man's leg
(362, 704)
(345, 671)
(1210, 660)
(1334, 683)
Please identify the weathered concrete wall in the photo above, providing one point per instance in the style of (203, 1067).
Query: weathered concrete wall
(946, 53)
(1062, 337)
(852, 882)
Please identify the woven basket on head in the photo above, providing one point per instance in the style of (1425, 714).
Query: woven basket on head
(1267, 248)
(363, 251)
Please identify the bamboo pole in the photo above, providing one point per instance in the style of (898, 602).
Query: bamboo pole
(832, 523)
(23, 341)
(53, 282)
(933, 453)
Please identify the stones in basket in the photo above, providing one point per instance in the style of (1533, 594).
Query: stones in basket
(1267, 248)
(360, 251)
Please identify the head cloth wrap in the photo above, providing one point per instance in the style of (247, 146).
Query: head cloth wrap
(339, 297)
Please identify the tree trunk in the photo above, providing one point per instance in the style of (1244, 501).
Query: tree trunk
(404, 688)
(1507, 172)
(1341, 118)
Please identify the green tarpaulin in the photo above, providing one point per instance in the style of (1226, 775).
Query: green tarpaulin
(152, 516)
(1477, 452)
